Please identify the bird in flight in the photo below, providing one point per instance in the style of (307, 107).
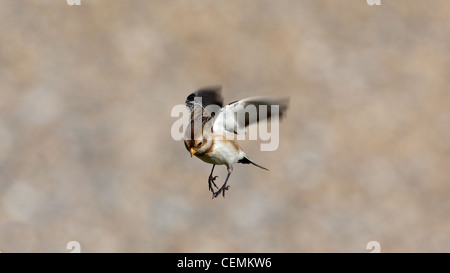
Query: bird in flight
(212, 128)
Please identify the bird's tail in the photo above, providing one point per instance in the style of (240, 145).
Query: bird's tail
(247, 160)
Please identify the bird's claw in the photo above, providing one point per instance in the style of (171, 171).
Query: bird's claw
(221, 190)
(211, 181)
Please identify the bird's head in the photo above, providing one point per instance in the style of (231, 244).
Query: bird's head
(198, 146)
(197, 142)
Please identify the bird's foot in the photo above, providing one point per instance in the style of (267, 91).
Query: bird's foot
(222, 190)
(211, 182)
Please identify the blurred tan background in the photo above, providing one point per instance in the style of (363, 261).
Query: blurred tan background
(86, 152)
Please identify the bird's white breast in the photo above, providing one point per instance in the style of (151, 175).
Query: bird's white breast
(223, 152)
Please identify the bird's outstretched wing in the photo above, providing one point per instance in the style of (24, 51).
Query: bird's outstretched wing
(236, 116)
(203, 104)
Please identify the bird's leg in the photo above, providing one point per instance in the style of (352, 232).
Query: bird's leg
(224, 187)
(211, 179)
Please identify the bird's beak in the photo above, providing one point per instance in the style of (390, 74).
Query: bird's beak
(192, 151)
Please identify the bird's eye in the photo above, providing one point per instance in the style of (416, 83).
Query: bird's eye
(200, 144)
